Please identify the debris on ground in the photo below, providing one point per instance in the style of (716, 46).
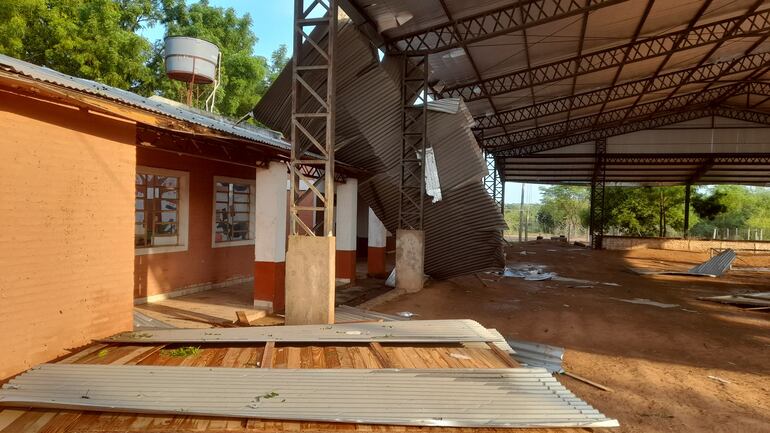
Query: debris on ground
(719, 379)
(759, 299)
(406, 314)
(714, 267)
(588, 381)
(643, 301)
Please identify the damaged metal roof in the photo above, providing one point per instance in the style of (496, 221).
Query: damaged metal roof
(152, 105)
(463, 229)
(520, 397)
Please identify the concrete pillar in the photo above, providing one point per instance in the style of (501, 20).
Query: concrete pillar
(346, 229)
(310, 280)
(410, 259)
(270, 237)
(376, 249)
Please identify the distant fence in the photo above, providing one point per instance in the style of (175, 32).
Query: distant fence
(679, 244)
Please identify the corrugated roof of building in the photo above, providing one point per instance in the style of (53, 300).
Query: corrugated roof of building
(186, 114)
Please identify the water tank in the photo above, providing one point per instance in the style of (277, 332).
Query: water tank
(191, 60)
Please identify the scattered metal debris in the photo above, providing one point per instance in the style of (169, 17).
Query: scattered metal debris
(143, 321)
(345, 313)
(643, 301)
(759, 299)
(537, 355)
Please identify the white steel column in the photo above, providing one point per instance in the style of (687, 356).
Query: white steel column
(378, 236)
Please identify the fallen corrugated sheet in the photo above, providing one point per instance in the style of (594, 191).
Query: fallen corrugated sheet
(759, 299)
(538, 355)
(423, 331)
(716, 266)
(143, 321)
(186, 114)
(345, 313)
(463, 231)
(520, 397)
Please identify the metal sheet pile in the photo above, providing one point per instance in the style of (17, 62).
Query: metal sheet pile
(520, 397)
(463, 230)
(423, 331)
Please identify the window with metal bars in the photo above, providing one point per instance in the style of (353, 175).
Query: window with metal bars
(156, 210)
(232, 209)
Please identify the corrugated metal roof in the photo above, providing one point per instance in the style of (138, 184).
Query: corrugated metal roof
(538, 355)
(423, 331)
(458, 398)
(717, 265)
(197, 117)
(463, 230)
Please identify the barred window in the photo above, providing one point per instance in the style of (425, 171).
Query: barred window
(232, 209)
(160, 210)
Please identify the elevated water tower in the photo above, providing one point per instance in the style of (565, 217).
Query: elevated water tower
(193, 61)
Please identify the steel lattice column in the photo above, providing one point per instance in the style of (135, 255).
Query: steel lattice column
(414, 127)
(313, 113)
(493, 182)
(596, 229)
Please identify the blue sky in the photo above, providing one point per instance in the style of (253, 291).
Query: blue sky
(272, 20)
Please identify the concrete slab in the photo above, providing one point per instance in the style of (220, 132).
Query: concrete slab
(310, 266)
(410, 260)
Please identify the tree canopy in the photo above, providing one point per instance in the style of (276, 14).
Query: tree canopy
(100, 40)
(733, 211)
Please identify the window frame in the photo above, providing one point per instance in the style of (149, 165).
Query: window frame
(183, 211)
(252, 211)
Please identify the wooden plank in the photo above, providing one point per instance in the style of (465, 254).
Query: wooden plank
(8, 416)
(588, 381)
(63, 422)
(267, 355)
(506, 358)
(141, 358)
(380, 355)
(77, 356)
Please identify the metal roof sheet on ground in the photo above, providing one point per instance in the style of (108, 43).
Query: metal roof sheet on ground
(346, 313)
(717, 265)
(760, 299)
(538, 355)
(143, 322)
(197, 117)
(423, 331)
(521, 397)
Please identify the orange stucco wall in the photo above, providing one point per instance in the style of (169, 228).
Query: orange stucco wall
(200, 264)
(66, 229)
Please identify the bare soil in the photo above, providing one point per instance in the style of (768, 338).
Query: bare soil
(656, 360)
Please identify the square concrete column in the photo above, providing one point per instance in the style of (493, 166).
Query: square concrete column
(410, 259)
(310, 280)
(270, 237)
(377, 241)
(346, 223)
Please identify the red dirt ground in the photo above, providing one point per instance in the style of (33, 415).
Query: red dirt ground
(656, 360)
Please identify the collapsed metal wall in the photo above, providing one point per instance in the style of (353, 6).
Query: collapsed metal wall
(463, 230)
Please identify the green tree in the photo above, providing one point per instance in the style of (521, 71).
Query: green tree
(563, 208)
(90, 39)
(278, 60)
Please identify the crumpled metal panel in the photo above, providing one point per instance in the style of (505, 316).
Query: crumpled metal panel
(186, 114)
(517, 397)
(538, 355)
(464, 229)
